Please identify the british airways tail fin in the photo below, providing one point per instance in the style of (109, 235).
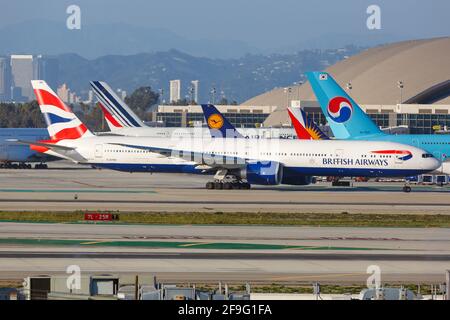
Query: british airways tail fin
(305, 128)
(116, 112)
(218, 125)
(345, 117)
(62, 123)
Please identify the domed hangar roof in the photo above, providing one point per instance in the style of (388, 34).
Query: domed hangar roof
(422, 65)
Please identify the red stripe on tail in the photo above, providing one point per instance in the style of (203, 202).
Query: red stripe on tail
(69, 133)
(45, 97)
(301, 131)
(109, 117)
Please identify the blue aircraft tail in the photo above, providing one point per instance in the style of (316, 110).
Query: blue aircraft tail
(218, 125)
(345, 117)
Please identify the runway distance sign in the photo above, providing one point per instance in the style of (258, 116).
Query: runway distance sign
(100, 216)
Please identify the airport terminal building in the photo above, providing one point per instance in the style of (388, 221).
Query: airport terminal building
(400, 84)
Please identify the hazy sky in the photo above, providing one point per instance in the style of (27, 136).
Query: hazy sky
(260, 23)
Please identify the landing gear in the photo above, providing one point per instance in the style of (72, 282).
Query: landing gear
(226, 181)
(10, 165)
(41, 166)
(219, 185)
(407, 188)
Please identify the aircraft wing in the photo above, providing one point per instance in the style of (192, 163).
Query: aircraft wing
(215, 161)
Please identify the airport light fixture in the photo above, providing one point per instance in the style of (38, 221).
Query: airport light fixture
(400, 85)
(287, 90)
(213, 95)
(298, 84)
(191, 94)
(161, 95)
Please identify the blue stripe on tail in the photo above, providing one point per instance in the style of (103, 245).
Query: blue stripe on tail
(51, 118)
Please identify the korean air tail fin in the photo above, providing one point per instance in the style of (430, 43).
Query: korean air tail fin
(218, 125)
(345, 117)
(116, 112)
(62, 123)
(305, 128)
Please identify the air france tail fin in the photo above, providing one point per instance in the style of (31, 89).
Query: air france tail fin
(112, 121)
(62, 123)
(116, 112)
(345, 117)
(305, 128)
(218, 125)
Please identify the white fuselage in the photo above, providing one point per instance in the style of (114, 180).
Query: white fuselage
(203, 132)
(304, 157)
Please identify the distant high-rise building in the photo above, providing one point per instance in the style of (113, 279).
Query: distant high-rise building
(175, 90)
(194, 90)
(64, 93)
(73, 97)
(121, 93)
(22, 71)
(47, 69)
(90, 96)
(16, 94)
(5, 79)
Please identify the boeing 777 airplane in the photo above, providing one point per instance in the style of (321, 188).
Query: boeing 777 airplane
(348, 121)
(238, 163)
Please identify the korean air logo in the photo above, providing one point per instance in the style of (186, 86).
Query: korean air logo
(340, 109)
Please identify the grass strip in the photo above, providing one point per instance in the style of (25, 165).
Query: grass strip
(343, 219)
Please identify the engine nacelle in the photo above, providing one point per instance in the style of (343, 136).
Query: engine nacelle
(263, 173)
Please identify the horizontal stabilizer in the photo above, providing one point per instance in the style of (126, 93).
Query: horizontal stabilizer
(41, 144)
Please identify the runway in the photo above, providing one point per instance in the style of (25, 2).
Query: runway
(222, 256)
(66, 187)
(261, 254)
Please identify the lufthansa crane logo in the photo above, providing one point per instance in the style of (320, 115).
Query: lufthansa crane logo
(215, 121)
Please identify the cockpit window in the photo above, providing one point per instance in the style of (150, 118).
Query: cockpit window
(427, 155)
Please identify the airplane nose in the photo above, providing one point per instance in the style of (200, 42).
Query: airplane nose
(434, 164)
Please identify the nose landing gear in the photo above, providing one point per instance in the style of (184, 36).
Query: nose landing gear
(407, 188)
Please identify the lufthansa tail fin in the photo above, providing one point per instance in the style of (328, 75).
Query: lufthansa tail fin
(116, 112)
(345, 117)
(218, 125)
(305, 128)
(62, 123)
